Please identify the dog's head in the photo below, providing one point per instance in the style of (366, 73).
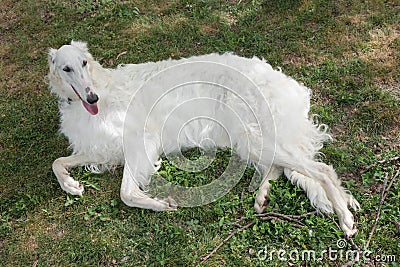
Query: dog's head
(70, 67)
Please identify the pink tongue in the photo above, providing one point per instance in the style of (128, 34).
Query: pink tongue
(91, 108)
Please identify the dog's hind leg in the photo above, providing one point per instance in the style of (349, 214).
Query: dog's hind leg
(323, 188)
(262, 196)
(133, 196)
(60, 169)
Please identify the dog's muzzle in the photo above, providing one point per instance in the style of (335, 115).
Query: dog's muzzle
(92, 98)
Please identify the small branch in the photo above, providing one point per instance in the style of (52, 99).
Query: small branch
(304, 215)
(333, 220)
(351, 241)
(382, 198)
(278, 216)
(285, 215)
(120, 54)
(269, 216)
(380, 162)
(237, 223)
(391, 183)
(204, 259)
(384, 194)
(242, 199)
(27, 151)
(353, 244)
(292, 218)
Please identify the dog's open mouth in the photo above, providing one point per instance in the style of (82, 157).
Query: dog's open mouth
(91, 108)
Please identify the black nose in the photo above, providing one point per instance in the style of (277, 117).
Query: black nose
(92, 98)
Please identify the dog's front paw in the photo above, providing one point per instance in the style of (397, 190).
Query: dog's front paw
(67, 183)
(167, 204)
(72, 187)
(140, 200)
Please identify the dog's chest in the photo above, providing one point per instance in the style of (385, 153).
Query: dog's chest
(95, 135)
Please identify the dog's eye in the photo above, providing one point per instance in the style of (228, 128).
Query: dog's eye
(84, 63)
(67, 69)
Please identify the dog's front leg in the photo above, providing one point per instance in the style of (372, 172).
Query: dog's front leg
(142, 153)
(60, 169)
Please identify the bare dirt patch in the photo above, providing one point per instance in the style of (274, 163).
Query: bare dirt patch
(8, 14)
(383, 53)
(380, 48)
(143, 26)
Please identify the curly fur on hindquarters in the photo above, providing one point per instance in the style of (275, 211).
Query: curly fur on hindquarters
(93, 103)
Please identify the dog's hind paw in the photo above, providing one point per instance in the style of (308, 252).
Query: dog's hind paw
(347, 224)
(350, 232)
(261, 202)
(353, 203)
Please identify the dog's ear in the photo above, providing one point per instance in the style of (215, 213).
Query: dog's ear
(51, 55)
(81, 45)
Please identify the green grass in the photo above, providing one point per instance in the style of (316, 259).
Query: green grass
(347, 52)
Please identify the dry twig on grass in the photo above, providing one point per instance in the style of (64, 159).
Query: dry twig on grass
(384, 193)
(273, 216)
(226, 240)
(351, 241)
(379, 162)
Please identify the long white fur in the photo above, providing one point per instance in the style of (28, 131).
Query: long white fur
(97, 142)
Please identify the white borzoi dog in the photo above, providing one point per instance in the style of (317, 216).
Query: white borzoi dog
(94, 101)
